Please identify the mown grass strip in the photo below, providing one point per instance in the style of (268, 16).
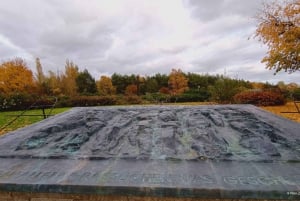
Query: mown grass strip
(6, 117)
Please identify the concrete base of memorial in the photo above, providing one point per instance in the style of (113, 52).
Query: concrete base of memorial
(13, 196)
(153, 153)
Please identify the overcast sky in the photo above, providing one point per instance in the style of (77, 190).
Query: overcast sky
(137, 36)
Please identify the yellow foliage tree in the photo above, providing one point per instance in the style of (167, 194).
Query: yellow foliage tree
(257, 85)
(279, 28)
(15, 77)
(178, 83)
(55, 83)
(69, 86)
(105, 86)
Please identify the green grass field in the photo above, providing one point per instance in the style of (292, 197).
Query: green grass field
(5, 118)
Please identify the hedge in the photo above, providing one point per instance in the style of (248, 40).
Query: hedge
(24, 101)
(296, 94)
(84, 101)
(259, 98)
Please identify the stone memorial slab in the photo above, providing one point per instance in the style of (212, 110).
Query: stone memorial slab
(229, 151)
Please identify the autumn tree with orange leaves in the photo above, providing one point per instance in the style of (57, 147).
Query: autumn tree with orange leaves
(131, 90)
(279, 28)
(105, 86)
(178, 83)
(15, 77)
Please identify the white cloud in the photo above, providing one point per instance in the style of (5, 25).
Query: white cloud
(136, 36)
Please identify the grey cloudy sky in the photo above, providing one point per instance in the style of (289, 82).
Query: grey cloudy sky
(137, 36)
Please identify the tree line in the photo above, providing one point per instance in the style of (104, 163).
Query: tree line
(19, 86)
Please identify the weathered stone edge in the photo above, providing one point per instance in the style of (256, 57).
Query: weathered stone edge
(147, 191)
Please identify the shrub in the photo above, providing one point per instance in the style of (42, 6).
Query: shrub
(45, 101)
(132, 99)
(259, 98)
(63, 101)
(22, 101)
(296, 94)
(3, 102)
(189, 96)
(156, 97)
(164, 90)
(199, 95)
(17, 101)
(224, 90)
(83, 101)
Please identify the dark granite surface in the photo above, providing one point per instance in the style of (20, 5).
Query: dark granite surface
(236, 151)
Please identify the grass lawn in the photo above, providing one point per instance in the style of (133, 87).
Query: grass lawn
(289, 107)
(23, 121)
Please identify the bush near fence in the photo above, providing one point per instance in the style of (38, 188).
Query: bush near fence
(259, 98)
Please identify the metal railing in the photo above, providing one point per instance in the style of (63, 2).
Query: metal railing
(33, 106)
(296, 102)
